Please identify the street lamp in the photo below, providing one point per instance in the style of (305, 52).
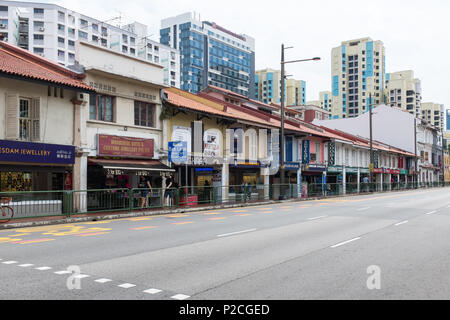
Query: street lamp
(283, 77)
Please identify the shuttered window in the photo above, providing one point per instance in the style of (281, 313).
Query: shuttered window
(23, 116)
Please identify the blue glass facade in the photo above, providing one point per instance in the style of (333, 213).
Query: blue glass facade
(206, 60)
(448, 120)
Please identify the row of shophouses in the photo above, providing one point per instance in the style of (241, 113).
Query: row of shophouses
(109, 121)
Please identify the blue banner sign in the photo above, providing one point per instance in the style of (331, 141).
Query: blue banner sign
(178, 151)
(305, 151)
(18, 151)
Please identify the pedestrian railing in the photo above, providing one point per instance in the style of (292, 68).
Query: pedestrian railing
(74, 202)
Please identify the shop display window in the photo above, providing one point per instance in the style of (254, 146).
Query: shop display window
(15, 181)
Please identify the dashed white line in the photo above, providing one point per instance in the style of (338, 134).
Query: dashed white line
(127, 285)
(63, 272)
(180, 297)
(43, 268)
(103, 280)
(363, 209)
(9, 262)
(401, 223)
(317, 218)
(344, 243)
(81, 276)
(432, 212)
(152, 291)
(235, 233)
(27, 265)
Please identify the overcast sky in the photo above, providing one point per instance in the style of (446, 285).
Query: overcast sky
(415, 32)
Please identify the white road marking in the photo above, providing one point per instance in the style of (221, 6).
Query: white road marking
(43, 268)
(9, 262)
(234, 233)
(401, 223)
(26, 265)
(152, 291)
(363, 209)
(81, 276)
(317, 218)
(432, 212)
(103, 280)
(127, 285)
(63, 272)
(180, 297)
(344, 243)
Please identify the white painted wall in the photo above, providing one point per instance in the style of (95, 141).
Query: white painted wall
(391, 126)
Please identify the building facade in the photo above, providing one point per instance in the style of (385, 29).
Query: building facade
(51, 31)
(403, 91)
(210, 54)
(433, 113)
(357, 72)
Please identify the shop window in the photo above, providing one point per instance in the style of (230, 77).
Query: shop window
(101, 107)
(144, 114)
(15, 181)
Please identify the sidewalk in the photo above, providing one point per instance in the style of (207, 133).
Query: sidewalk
(41, 221)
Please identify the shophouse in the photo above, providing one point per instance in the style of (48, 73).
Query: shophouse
(38, 139)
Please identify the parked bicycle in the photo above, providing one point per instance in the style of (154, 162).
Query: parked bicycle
(6, 212)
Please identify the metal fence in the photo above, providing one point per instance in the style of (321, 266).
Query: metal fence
(68, 203)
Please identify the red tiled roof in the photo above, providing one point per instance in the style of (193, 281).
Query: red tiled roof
(19, 62)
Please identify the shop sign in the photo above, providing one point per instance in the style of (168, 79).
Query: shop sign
(404, 172)
(183, 134)
(334, 169)
(351, 170)
(305, 151)
(211, 141)
(114, 172)
(393, 171)
(314, 168)
(18, 151)
(294, 166)
(378, 170)
(246, 164)
(178, 152)
(115, 146)
(363, 170)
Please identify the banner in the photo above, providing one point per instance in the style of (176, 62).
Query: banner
(305, 151)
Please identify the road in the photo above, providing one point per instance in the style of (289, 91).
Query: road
(301, 250)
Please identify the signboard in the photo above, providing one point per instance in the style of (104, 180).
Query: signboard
(116, 146)
(314, 168)
(211, 142)
(245, 164)
(18, 151)
(334, 169)
(293, 166)
(378, 170)
(183, 134)
(404, 172)
(178, 151)
(305, 151)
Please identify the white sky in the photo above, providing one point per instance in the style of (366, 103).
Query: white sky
(415, 32)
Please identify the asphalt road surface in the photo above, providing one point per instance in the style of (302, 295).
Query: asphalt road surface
(382, 246)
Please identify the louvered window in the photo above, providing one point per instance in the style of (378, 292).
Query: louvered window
(23, 118)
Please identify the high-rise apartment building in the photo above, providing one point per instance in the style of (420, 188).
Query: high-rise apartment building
(403, 91)
(268, 88)
(295, 92)
(51, 31)
(211, 54)
(433, 113)
(325, 101)
(358, 72)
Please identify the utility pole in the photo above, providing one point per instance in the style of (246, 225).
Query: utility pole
(372, 164)
(415, 151)
(282, 171)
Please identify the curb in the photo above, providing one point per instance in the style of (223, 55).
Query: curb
(93, 217)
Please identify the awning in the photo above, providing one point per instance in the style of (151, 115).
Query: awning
(131, 165)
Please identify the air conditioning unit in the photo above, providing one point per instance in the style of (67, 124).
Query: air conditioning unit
(3, 26)
(41, 29)
(104, 34)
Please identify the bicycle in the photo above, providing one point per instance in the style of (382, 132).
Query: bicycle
(6, 212)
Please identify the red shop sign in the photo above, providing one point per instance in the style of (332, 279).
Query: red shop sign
(377, 170)
(115, 146)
